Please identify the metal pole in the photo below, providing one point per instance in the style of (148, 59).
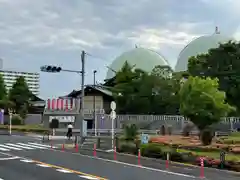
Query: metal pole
(113, 132)
(82, 94)
(10, 122)
(94, 103)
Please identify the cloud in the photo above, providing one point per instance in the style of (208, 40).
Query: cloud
(55, 32)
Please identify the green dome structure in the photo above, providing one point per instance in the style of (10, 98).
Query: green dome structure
(141, 58)
(199, 46)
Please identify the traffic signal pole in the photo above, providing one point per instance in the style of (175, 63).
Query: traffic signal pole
(82, 95)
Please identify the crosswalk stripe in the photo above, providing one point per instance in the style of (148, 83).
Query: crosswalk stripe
(43, 145)
(9, 147)
(28, 145)
(18, 146)
(3, 149)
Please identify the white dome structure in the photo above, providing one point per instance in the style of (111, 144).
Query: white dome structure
(199, 46)
(140, 58)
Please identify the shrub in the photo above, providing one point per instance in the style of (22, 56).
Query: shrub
(187, 129)
(131, 132)
(16, 120)
(151, 150)
(127, 147)
(206, 137)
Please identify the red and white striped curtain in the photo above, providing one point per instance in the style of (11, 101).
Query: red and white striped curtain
(61, 104)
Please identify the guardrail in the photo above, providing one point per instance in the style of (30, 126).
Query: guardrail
(104, 132)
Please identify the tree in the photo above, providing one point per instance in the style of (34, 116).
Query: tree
(202, 102)
(20, 95)
(3, 91)
(222, 63)
(139, 92)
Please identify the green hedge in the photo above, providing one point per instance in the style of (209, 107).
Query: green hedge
(25, 128)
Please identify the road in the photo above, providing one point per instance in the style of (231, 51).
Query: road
(31, 160)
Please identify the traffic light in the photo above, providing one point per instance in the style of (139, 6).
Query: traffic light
(52, 69)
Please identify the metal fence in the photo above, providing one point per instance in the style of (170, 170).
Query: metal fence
(154, 122)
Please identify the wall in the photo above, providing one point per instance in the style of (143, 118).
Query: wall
(31, 119)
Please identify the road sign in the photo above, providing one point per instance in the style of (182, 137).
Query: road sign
(113, 105)
(113, 114)
(144, 138)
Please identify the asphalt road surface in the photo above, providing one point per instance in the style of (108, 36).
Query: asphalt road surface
(28, 159)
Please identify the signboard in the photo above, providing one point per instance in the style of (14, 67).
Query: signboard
(1, 116)
(144, 138)
(84, 128)
(63, 119)
(113, 105)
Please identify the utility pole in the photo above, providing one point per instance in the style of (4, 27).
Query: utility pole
(94, 103)
(82, 95)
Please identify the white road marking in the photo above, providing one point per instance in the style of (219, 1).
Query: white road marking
(3, 149)
(26, 160)
(28, 145)
(63, 171)
(9, 158)
(19, 146)
(88, 177)
(10, 147)
(43, 145)
(42, 165)
(1, 179)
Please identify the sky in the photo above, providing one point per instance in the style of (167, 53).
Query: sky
(54, 32)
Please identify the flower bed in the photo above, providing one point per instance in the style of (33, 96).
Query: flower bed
(156, 150)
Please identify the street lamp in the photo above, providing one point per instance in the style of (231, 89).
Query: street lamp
(94, 103)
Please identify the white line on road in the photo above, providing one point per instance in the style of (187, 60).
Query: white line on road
(63, 171)
(19, 146)
(88, 177)
(42, 165)
(26, 160)
(9, 158)
(10, 147)
(28, 145)
(43, 145)
(3, 149)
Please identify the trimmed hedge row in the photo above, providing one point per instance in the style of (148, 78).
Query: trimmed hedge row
(154, 150)
(25, 129)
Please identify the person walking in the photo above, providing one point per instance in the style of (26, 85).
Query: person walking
(69, 133)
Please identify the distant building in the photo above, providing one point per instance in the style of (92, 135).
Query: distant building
(32, 79)
(66, 108)
(200, 45)
(138, 58)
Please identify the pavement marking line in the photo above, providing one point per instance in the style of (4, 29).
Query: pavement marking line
(42, 165)
(131, 165)
(26, 160)
(63, 171)
(87, 177)
(70, 170)
(43, 145)
(10, 147)
(9, 158)
(19, 146)
(28, 145)
(3, 149)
